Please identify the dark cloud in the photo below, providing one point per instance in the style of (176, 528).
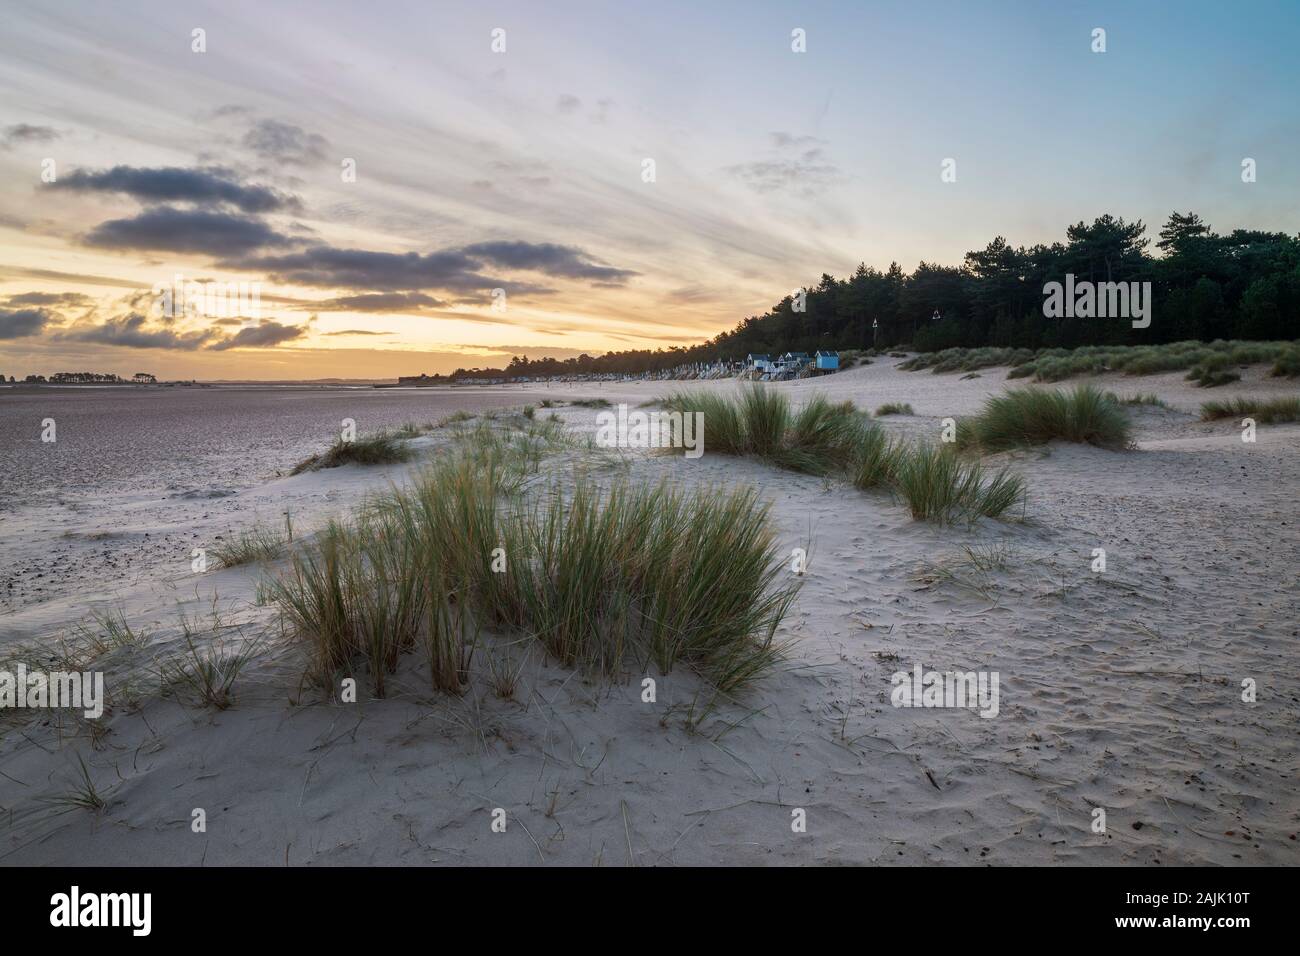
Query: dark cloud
(284, 142)
(19, 323)
(186, 230)
(210, 185)
(382, 302)
(10, 136)
(263, 335)
(132, 331)
(458, 270)
(362, 269)
(554, 260)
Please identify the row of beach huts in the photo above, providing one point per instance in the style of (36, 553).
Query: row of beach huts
(756, 367)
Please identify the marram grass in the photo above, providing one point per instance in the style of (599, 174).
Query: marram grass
(1266, 411)
(1022, 417)
(1058, 364)
(939, 485)
(597, 576)
(825, 438)
(382, 448)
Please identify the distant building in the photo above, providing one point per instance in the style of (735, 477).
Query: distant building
(826, 360)
(761, 362)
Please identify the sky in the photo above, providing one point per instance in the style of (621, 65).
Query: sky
(416, 187)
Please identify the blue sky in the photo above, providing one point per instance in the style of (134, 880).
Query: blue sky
(525, 166)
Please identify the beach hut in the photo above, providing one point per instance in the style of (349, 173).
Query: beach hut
(827, 361)
(759, 362)
(795, 360)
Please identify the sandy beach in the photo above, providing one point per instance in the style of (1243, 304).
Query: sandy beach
(1120, 690)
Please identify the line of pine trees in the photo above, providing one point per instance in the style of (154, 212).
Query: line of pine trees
(1244, 285)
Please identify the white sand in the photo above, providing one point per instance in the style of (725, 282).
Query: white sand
(1120, 690)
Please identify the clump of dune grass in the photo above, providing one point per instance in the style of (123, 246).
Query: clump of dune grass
(590, 402)
(1287, 364)
(529, 412)
(111, 630)
(876, 459)
(818, 438)
(765, 413)
(515, 447)
(824, 438)
(894, 408)
(206, 674)
(596, 576)
(1138, 399)
(259, 543)
(821, 437)
(82, 795)
(1023, 417)
(938, 485)
(382, 448)
(965, 360)
(1213, 370)
(684, 579)
(1058, 364)
(455, 418)
(725, 426)
(1266, 411)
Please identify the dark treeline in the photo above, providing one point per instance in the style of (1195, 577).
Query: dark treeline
(1242, 285)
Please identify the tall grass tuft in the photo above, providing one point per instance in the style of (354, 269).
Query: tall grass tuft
(822, 436)
(1022, 417)
(254, 544)
(817, 438)
(938, 485)
(1058, 364)
(876, 459)
(594, 575)
(765, 413)
(725, 425)
(1265, 411)
(208, 675)
(382, 448)
(1287, 363)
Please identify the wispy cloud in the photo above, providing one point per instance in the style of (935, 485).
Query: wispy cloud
(284, 142)
(11, 136)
